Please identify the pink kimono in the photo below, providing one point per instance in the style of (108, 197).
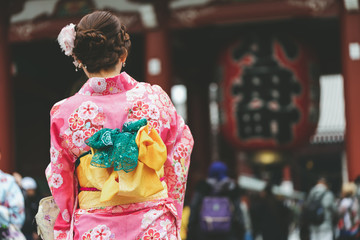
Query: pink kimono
(109, 103)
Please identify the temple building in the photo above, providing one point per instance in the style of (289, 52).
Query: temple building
(267, 86)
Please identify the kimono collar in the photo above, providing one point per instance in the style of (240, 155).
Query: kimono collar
(97, 86)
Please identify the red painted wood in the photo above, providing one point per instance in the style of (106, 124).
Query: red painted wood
(350, 25)
(157, 46)
(6, 131)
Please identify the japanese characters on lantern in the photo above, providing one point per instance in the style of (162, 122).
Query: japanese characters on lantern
(269, 92)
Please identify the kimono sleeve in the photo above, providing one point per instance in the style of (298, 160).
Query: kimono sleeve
(61, 180)
(179, 147)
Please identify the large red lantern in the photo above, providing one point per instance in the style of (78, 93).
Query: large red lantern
(269, 92)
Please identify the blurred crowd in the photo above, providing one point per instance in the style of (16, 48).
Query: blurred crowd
(19, 198)
(219, 209)
(264, 215)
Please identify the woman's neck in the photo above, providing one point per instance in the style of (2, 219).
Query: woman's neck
(105, 73)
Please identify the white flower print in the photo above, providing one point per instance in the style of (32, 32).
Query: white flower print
(178, 169)
(135, 93)
(101, 232)
(48, 172)
(157, 88)
(88, 110)
(154, 98)
(130, 80)
(165, 100)
(65, 215)
(154, 112)
(78, 138)
(98, 84)
(165, 119)
(165, 223)
(81, 211)
(54, 154)
(149, 217)
(56, 180)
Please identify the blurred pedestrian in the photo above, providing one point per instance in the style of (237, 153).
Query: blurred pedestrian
(31, 207)
(216, 207)
(321, 193)
(348, 223)
(271, 217)
(12, 214)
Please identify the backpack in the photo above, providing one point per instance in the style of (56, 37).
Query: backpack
(353, 231)
(314, 212)
(216, 214)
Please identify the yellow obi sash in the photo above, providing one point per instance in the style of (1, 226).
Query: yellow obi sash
(120, 187)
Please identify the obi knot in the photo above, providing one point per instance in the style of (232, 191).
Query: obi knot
(115, 148)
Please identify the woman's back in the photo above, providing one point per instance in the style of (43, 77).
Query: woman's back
(108, 101)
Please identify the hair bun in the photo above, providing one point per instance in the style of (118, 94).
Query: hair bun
(95, 38)
(100, 41)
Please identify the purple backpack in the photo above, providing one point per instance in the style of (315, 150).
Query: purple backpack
(216, 214)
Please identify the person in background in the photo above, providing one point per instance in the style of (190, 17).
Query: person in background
(244, 205)
(31, 207)
(12, 213)
(324, 231)
(348, 223)
(271, 218)
(357, 193)
(218, 183)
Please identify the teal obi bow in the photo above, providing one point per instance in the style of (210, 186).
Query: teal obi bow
(115, 148)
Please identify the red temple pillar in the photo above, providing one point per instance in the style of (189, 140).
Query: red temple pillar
(157, 55)
(350, 47)
(6, 131)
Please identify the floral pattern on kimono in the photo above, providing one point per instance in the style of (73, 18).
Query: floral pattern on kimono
(109, 103)
(11, 202)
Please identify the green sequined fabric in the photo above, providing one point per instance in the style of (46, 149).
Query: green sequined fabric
(115, 148)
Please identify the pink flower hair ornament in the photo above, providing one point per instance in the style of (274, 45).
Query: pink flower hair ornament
(66, 39)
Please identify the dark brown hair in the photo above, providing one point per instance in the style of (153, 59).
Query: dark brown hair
(100, 41)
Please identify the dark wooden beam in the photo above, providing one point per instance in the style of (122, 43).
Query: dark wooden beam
(252, 12)
(45, 27)
(212, 14)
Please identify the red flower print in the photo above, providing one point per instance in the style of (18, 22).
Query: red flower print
(170, 176)
(140, 109)
(99, 119)
(182, 150)
(75, 121)
(61, 236)
(101, 232)
(151, 235)
(86, 236)
(111, 88)
(154, 112)
(78, 138)
(88, 110)
(54, 110)
(67, 141)
(89, 132)
(155, 125)
(56, 180)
